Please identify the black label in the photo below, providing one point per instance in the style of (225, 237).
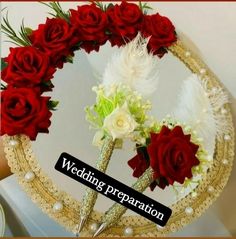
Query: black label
(113, 189)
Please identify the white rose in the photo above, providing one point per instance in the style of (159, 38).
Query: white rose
(120, 122)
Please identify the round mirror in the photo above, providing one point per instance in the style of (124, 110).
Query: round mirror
(34, 162)
(70, 131)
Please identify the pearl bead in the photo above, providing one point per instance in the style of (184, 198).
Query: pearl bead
(227, 137)
(203, 71)
(29, 176)
(194, 194)
(187, 54)
(128, 231)
(210, 189)
(223, 111)
(225, 161)
(13, 143)
(94, 227)
(57, 207)
(188, 210)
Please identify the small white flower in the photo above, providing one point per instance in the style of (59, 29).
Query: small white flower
(111, 90)
(141, 141)
(120, 123)
(137, 138)
(98, 138)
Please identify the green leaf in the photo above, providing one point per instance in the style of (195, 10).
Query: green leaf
(28, 30)
(119, 143)
(107, 32)
(47, 83)
(77, 45)
(99, 5)
(3, 87)
(3, 64)
(69, 59)
(144, 7)
(52, 104)
(109, 6)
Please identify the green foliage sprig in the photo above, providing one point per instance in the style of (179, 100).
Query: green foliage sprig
(107, 103)
(52, 104)
(3, 64)
(102, 6)
(144, 7)
(57, 10)
(21, 38)
(3, 87)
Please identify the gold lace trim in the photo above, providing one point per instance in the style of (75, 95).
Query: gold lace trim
(45, 193)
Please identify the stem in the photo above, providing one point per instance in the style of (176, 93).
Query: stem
(90, 196)
(116, 211)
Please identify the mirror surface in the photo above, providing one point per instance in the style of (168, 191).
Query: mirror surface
(69, 131)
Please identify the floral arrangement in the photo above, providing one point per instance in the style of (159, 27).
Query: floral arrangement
(169, 152)
(172, 152)
(171, 155)
(120, 113)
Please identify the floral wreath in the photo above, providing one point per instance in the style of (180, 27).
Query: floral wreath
(169, 152)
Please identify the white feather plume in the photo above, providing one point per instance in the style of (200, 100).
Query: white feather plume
(199, 107)
(133, 66)
(218, 98)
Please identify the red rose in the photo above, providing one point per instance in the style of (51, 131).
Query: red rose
(23, 111)
(27, 67)
(56, 39)
(172, 155)
(125, 21)
(90, 24)
(162, 33)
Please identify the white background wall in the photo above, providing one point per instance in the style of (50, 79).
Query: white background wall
(211, 27)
